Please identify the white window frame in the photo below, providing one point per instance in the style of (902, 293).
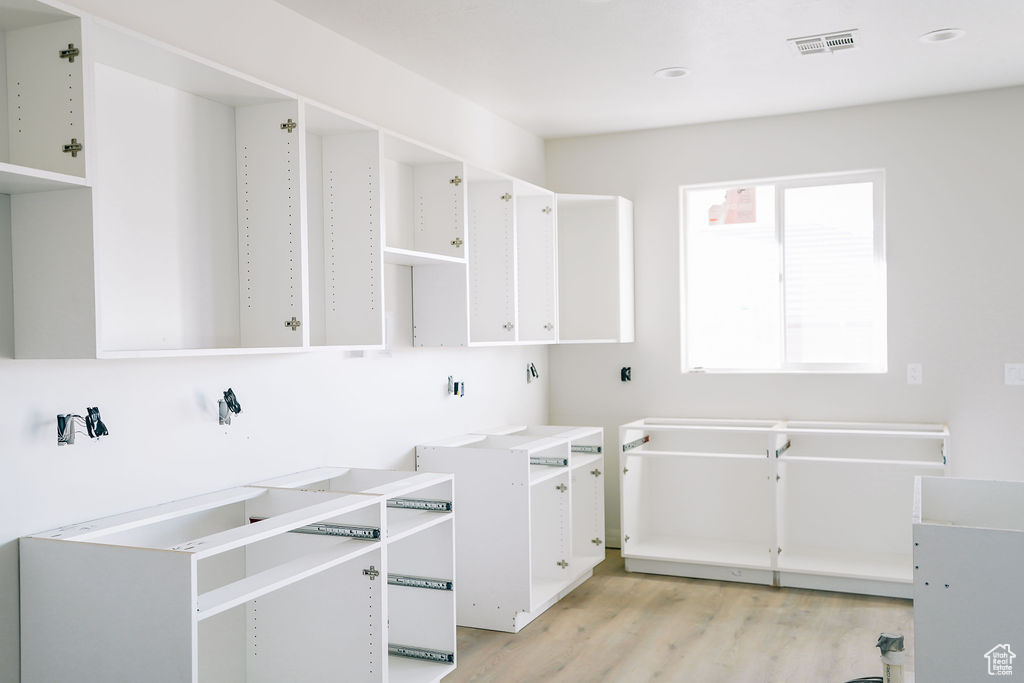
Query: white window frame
(782, 183)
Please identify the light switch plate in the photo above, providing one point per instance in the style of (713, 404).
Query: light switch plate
(915, 373)
(1013, 373)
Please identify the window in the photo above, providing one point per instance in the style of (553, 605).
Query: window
(785, 274)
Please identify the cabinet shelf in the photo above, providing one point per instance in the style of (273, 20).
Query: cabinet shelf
(409, 257)
(889, 567)
(694, 550)
(402, 523)
(16, 179)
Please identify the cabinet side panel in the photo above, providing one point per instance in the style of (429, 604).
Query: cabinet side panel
(588, 269)
(45, 97)
(439, 316)
(440, 209)
(492, 262)
(352, 239)
(627, 301)
(535, 245)
(54, 287)
(166, 218)
(105, 613)
(963, 600)
(6, 279)
(270, 230)
(492, 533)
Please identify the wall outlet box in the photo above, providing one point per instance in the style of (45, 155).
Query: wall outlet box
(1013, 373)
(915, 373)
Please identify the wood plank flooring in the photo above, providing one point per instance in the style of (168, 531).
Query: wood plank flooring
(640, 627)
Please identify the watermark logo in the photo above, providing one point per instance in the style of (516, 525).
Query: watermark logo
(1000, 660)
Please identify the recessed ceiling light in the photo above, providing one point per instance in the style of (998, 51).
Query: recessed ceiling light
(672, 72)
(943, 35)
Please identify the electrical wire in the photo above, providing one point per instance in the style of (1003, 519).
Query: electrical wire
(866, 679)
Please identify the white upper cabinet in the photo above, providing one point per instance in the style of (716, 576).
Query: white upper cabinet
(199, 226)
(43, 124)
(346, 245)
(512, 268)
(595, 269)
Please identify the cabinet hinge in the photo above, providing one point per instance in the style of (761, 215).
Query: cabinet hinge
(372, 572)
(70, 53)
(596, 541)
(548, 326)
(294, 323)
(625, 469)
(73, 147)
(506, 197)
(546, 209)
(562, 563)
(457, 242)
(508, 326)
(456, 181)
(779, 551)
(626, 539)
(596, 472)
(562, 487)
(289, 126)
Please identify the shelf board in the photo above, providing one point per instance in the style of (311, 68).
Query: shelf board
(251, 587)
(741, 554)
(402, 523)
(915, 464)
(542, 473)
(582, 563)
(691, 454)
(183, 353)
(409, 257)
(408, 670)
(16, 179)
(543, 590)
(894, 567)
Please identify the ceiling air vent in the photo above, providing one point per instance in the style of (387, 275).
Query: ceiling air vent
(825, 43)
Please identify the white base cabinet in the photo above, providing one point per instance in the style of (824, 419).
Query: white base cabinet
(213, 588)
(531, 510)
(419, 544)
(968, 553)
(821, 505)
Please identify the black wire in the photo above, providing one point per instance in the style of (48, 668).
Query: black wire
(866, 679)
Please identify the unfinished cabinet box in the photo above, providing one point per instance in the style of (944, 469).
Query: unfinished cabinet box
(519, 530)
(420, 559)
(968, 551)
(595, 269)
(809, 504)
(344, 207)
(425, 228)
(42, 134)
(46, 251)
(243, 585)
(511, 260)
(199, 228)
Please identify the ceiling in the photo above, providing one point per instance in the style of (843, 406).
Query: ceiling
(573, 67)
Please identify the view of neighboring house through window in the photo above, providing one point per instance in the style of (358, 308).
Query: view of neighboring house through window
(785, 274)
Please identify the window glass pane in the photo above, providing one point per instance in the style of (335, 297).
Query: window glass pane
(831, 278)
(732, 279)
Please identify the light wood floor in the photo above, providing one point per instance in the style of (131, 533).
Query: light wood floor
(640, 627)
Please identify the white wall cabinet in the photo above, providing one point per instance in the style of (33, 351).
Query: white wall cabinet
(968, 550)
(512, 261)
(595, 269)
(419, 543)
(248, 584)
(801, 504)
(222, 215)
(530, 517)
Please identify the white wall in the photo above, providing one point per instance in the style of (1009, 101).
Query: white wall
(298, 410)
(955, 283)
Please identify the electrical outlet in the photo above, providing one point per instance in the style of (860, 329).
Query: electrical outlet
(915, 373)
(1013, 373)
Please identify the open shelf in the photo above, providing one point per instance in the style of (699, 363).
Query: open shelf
(892, 567)
(22, 179)
(402, 523)
(695, 550)
(542, 473)
(409, 257)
